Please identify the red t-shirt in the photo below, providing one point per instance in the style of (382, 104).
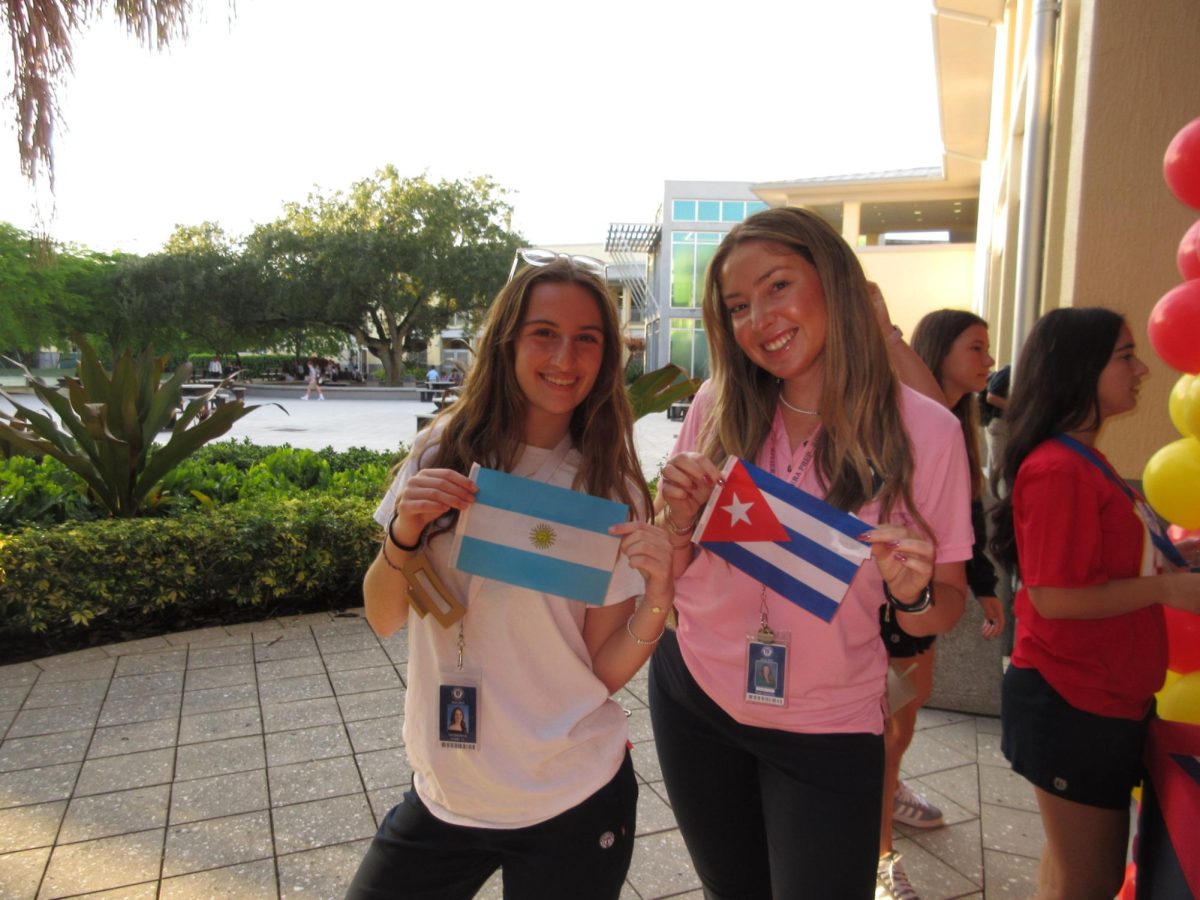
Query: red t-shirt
(1075, 528)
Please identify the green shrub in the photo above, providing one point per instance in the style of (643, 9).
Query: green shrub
(260, 553)
(41, 492)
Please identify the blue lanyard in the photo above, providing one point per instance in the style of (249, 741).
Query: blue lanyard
(1161, 541)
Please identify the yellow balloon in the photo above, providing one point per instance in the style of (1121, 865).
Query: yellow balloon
(1172, 677)
(1181, 701)
(1172, 482)
(1191, 408)
(1176, 403)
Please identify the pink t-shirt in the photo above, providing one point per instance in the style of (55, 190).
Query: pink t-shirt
(836, 672)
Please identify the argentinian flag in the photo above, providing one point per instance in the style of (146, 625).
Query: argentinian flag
(538, 536)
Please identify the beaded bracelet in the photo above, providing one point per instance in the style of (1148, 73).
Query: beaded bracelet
(669, 522)
(923, 601)
(637, 640)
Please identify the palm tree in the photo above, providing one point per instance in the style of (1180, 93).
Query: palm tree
(41, 33)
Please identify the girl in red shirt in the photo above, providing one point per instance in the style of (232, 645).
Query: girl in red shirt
(1090, 643)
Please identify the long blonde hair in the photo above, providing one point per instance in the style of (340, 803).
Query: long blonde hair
(487, 424)
(863, 451)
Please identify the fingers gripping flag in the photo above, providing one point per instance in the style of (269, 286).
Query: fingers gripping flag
(538, 536)
(796, 544)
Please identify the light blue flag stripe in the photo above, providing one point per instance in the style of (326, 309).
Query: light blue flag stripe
(776, 579)
(534, 498)
(535, 571)
(812, 506)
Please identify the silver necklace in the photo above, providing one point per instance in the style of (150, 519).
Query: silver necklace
(803, 412)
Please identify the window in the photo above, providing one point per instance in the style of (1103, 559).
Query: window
(689, 346)
(730, 211)
(691, 252)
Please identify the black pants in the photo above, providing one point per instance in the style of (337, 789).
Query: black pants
(581, 853)
(765, 813)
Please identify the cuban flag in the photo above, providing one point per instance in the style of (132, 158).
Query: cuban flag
(796, 544)
(538, 536)
(1168, 844)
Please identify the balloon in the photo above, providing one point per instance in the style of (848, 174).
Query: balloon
(1181, 164)
(1187, 258)
(1171, 677)
(1183, 640)
(1176, 402)
(1174, 327)
(1181, 701)
(1172, 482)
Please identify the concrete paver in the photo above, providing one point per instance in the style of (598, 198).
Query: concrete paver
(265, 753)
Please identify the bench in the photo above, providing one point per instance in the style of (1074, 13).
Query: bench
(676, 412)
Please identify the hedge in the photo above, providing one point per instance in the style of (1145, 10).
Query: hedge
(259, 553)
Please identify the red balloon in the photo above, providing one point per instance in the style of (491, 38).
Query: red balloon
(1188, 256)
(1183, 640)
(1174, 327)
(1181, 164)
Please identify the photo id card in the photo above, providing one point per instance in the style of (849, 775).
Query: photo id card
(766, 670)
(458, 711)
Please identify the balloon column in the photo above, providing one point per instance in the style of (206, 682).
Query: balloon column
(1172, 476)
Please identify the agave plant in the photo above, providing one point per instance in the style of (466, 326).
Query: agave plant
(656, 391)
(109, 425)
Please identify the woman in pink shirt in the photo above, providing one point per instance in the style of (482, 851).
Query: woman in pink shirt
(777, 791)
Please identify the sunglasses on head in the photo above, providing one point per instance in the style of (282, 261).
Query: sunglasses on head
(538, 256)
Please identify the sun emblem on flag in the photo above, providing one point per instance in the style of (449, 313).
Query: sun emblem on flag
(542, 536)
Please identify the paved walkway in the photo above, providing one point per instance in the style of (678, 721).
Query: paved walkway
(255, 760)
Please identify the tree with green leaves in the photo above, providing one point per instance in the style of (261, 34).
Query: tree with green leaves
(392, 261)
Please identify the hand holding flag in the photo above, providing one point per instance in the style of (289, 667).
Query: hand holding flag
(794, 543)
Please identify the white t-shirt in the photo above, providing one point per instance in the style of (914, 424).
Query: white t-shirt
(549, 734)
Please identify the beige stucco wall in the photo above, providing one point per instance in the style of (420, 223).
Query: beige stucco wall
(1113, 227)
(1125, 80)
(920, 279)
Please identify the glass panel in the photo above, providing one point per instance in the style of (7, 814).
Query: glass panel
(708, 211)
(683, 210)
(700, 355)
(683, 261)
(704, 255)
(681, 349)
(732, 210)
(755, 206)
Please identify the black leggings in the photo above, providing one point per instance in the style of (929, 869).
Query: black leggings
(765, 813)
(581, 853)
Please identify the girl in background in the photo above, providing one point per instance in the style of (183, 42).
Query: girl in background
(1090, 642)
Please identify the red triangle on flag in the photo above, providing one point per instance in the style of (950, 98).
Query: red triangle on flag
(741, 512)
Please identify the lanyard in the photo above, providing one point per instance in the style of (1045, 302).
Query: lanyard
(805, 461)
(1140, 506)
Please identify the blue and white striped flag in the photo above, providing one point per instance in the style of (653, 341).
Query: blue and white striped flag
(796, 544)
(538, 536)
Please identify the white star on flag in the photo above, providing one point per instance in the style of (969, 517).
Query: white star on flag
(738, 511)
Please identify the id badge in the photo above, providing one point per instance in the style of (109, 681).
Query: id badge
(458, 710)
(766, 668)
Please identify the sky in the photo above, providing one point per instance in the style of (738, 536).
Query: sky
(580, 111)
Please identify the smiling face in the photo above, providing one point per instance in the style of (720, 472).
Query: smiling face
(777, 313)
(1117, 388)
(967, 365)
(558, 352)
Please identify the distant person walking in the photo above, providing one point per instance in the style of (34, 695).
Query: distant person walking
(215, 370)
(433, 375)
(314, 379)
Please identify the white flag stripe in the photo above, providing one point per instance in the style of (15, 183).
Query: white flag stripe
(573, 545)
(816, 530)
(797, 567)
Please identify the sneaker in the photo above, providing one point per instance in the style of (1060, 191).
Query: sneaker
(304, 397)
(912, 809)
(890, 881)
(320, 396)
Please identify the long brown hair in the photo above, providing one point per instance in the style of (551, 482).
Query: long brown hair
(862, 451)
(487, 424)
(932, 339)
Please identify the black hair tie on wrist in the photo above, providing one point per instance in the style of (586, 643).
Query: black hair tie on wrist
(395, 543)
(922, 602)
